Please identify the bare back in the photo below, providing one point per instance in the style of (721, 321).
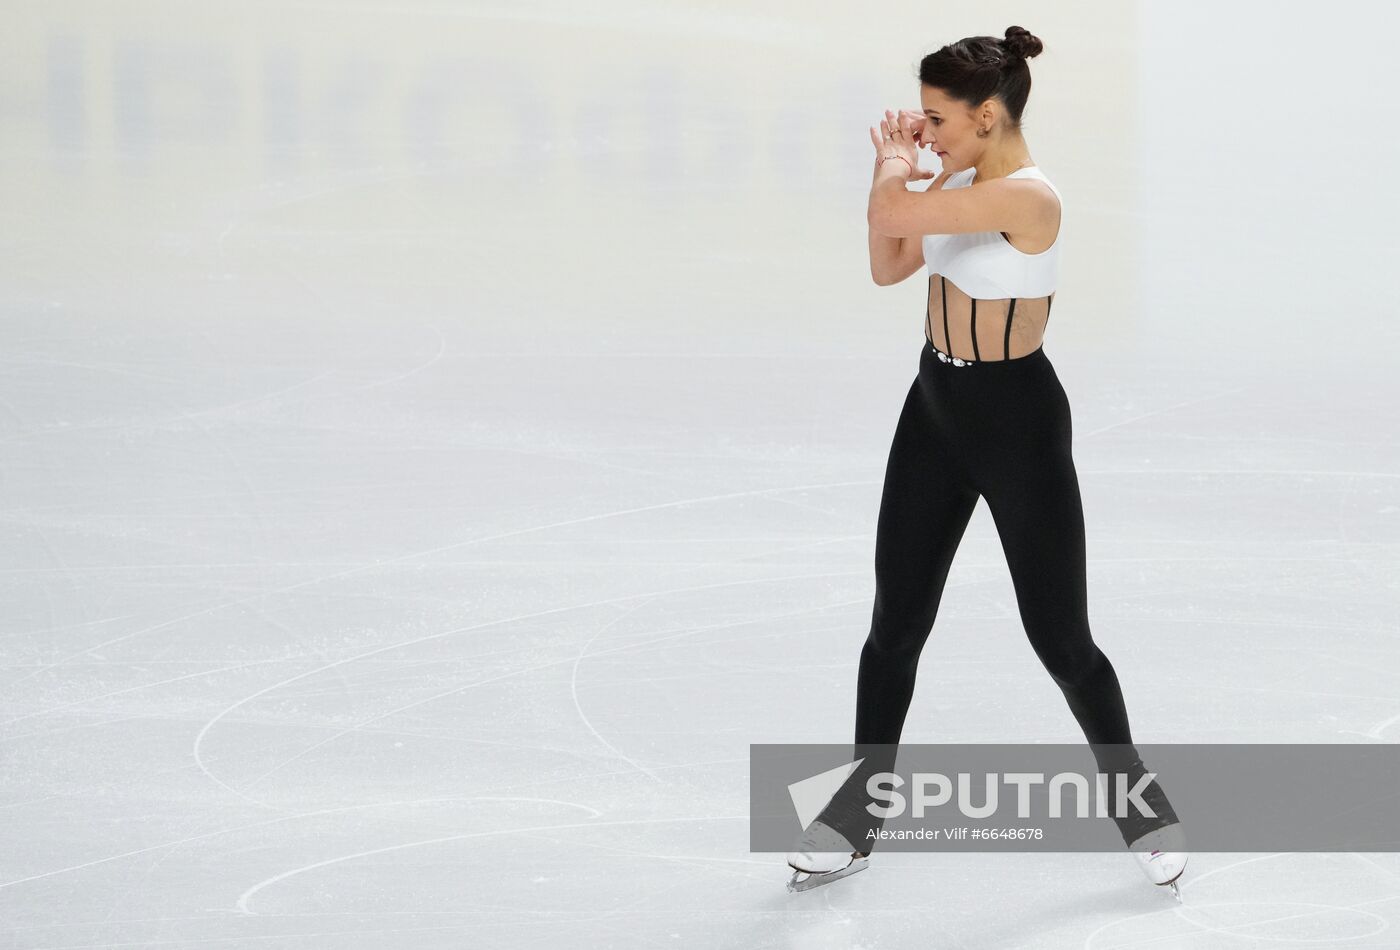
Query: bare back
(972, 329)
(988, 328)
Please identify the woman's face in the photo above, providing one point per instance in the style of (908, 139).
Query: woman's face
(948, 129)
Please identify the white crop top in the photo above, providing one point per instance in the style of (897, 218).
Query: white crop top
(984, 264)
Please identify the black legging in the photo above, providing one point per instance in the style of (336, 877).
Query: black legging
(998, 430)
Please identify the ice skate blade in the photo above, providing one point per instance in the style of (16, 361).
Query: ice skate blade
(1175, 884)
(805, 880)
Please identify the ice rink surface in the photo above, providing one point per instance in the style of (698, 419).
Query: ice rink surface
(437, 439)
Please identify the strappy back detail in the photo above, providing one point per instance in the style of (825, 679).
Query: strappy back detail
(999, 295)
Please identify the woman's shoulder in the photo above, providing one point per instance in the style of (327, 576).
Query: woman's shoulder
(1036, 172)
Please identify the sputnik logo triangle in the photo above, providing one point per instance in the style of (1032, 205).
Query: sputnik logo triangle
(811, 795)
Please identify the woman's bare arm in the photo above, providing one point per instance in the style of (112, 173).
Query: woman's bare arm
(892, 259)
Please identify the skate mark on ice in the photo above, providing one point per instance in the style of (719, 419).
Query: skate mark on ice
(303, 815)
(578, 706)
(385, 562)
(246, 897)
(1158, 412)
(1377, 731)
(199, 739)
(1185, 911)
(460, 689)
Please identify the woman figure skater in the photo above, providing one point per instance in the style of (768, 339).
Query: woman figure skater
(986, 417)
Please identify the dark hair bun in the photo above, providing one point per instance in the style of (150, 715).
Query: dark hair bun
(1020, 43)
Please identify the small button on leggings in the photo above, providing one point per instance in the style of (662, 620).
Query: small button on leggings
(999, 430)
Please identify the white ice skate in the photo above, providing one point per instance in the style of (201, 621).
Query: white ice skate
(822, 855)
(1162, 856)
